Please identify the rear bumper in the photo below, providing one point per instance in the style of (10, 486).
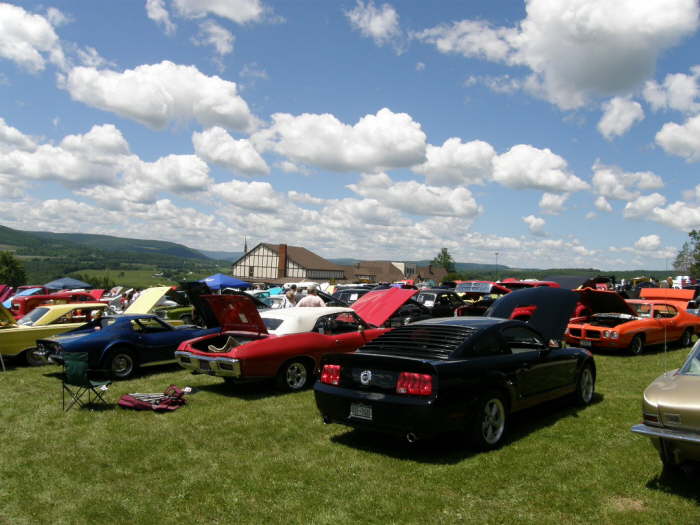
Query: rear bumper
(211, 365)
(395, 414)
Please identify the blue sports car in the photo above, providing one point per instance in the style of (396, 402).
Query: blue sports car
(121, 344)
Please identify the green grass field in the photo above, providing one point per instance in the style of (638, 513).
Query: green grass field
(247, 454)
(143, 278)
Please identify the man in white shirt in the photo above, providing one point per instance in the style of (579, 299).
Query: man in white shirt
(312, 298)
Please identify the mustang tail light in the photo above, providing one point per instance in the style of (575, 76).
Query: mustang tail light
(610, 334)
(330, 374)
(414, 384)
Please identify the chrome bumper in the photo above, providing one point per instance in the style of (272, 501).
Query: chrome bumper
(667, 433)
(214, 366)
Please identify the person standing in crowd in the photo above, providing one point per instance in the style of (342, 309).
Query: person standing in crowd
(312, 298)
(290, 297)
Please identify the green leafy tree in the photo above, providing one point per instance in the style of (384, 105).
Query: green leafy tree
(444, 260)
(684, 260)
(11, 270)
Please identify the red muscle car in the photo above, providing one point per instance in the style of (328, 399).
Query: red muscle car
(286, 344)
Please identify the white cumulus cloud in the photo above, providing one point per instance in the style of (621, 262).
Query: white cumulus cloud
(553, 203)
(376, 142)
(576, 49)
(156, 11)
(525, 166)
(614, 183)
(644, 207)
(535, 224)
(456, 163)
(682, 140)
(678, 92)
(215, 35)
(648, 243)
(215, 145)
(379, 24)
(29, 39)
(418, 199)
(619, 115)
(160, 94)
(238, 11)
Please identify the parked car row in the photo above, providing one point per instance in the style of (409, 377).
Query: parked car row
(397, 360)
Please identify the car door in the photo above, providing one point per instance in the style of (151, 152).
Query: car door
(666, 316)
(541, 369)
(344, 330)
(156, 339)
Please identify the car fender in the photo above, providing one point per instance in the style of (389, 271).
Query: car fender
(113, 344)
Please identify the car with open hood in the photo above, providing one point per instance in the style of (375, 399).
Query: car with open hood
(18, 338)
(606, 320)
(286, 344)
(671, 413)
(459, 373)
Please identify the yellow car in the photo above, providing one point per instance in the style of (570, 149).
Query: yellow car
(18, 338)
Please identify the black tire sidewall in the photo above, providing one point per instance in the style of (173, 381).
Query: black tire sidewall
(579, 391)
(633, 348)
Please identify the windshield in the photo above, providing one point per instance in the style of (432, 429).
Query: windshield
(641, 309)
(271, 323)
(32, 317)
(691, 367)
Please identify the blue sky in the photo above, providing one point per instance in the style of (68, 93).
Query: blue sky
(557, 134)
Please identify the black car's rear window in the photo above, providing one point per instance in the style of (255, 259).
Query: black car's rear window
(422, 341)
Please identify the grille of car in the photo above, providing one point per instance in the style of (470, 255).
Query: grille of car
(593, 334)
(576, 332)
(423, 341)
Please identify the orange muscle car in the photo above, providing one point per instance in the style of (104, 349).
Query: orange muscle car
(659, 317)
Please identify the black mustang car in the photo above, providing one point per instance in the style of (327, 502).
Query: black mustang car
(459, 373)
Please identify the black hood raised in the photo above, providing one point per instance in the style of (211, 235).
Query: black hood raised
(553, 307)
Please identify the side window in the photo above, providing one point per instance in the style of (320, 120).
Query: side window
(489, 344)
(340, 323)
(522, 339)
(665, 311)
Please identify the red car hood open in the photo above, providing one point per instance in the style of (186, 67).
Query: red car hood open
(377, 306)
(604, 302)
(236, 313)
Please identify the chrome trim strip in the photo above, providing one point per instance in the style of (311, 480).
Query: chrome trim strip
(667, 433)
(234, 363)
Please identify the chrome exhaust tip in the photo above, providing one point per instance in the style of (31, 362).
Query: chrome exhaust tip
(411, 437)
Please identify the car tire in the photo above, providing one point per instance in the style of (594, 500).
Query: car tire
(490, 422)
(294, 375)
(32, 359)
(122, 363)
(585, 386)
(636, 347)
(687, 338)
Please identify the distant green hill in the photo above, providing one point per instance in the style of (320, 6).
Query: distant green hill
(222, 256)
(122, 244)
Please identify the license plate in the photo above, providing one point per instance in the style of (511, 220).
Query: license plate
(361, 411)
(585, 343)
(204, 365)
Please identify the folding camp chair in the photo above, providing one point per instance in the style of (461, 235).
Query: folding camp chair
(75, 374)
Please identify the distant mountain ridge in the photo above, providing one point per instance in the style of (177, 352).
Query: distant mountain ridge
(49, 244)
(459, 266)
(222, 256)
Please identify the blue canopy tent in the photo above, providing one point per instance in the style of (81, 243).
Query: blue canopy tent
(220, 281)
(66, 283)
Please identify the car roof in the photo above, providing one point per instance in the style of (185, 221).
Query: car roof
(298, 320)
(57, 310)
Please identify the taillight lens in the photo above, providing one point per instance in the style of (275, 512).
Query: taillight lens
(330, 374)
(414, 384)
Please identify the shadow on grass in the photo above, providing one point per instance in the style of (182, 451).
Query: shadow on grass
(685, 482)
(648, 350)
(448, 449)
(251, 391)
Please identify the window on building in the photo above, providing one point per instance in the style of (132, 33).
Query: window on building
(251, 271)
